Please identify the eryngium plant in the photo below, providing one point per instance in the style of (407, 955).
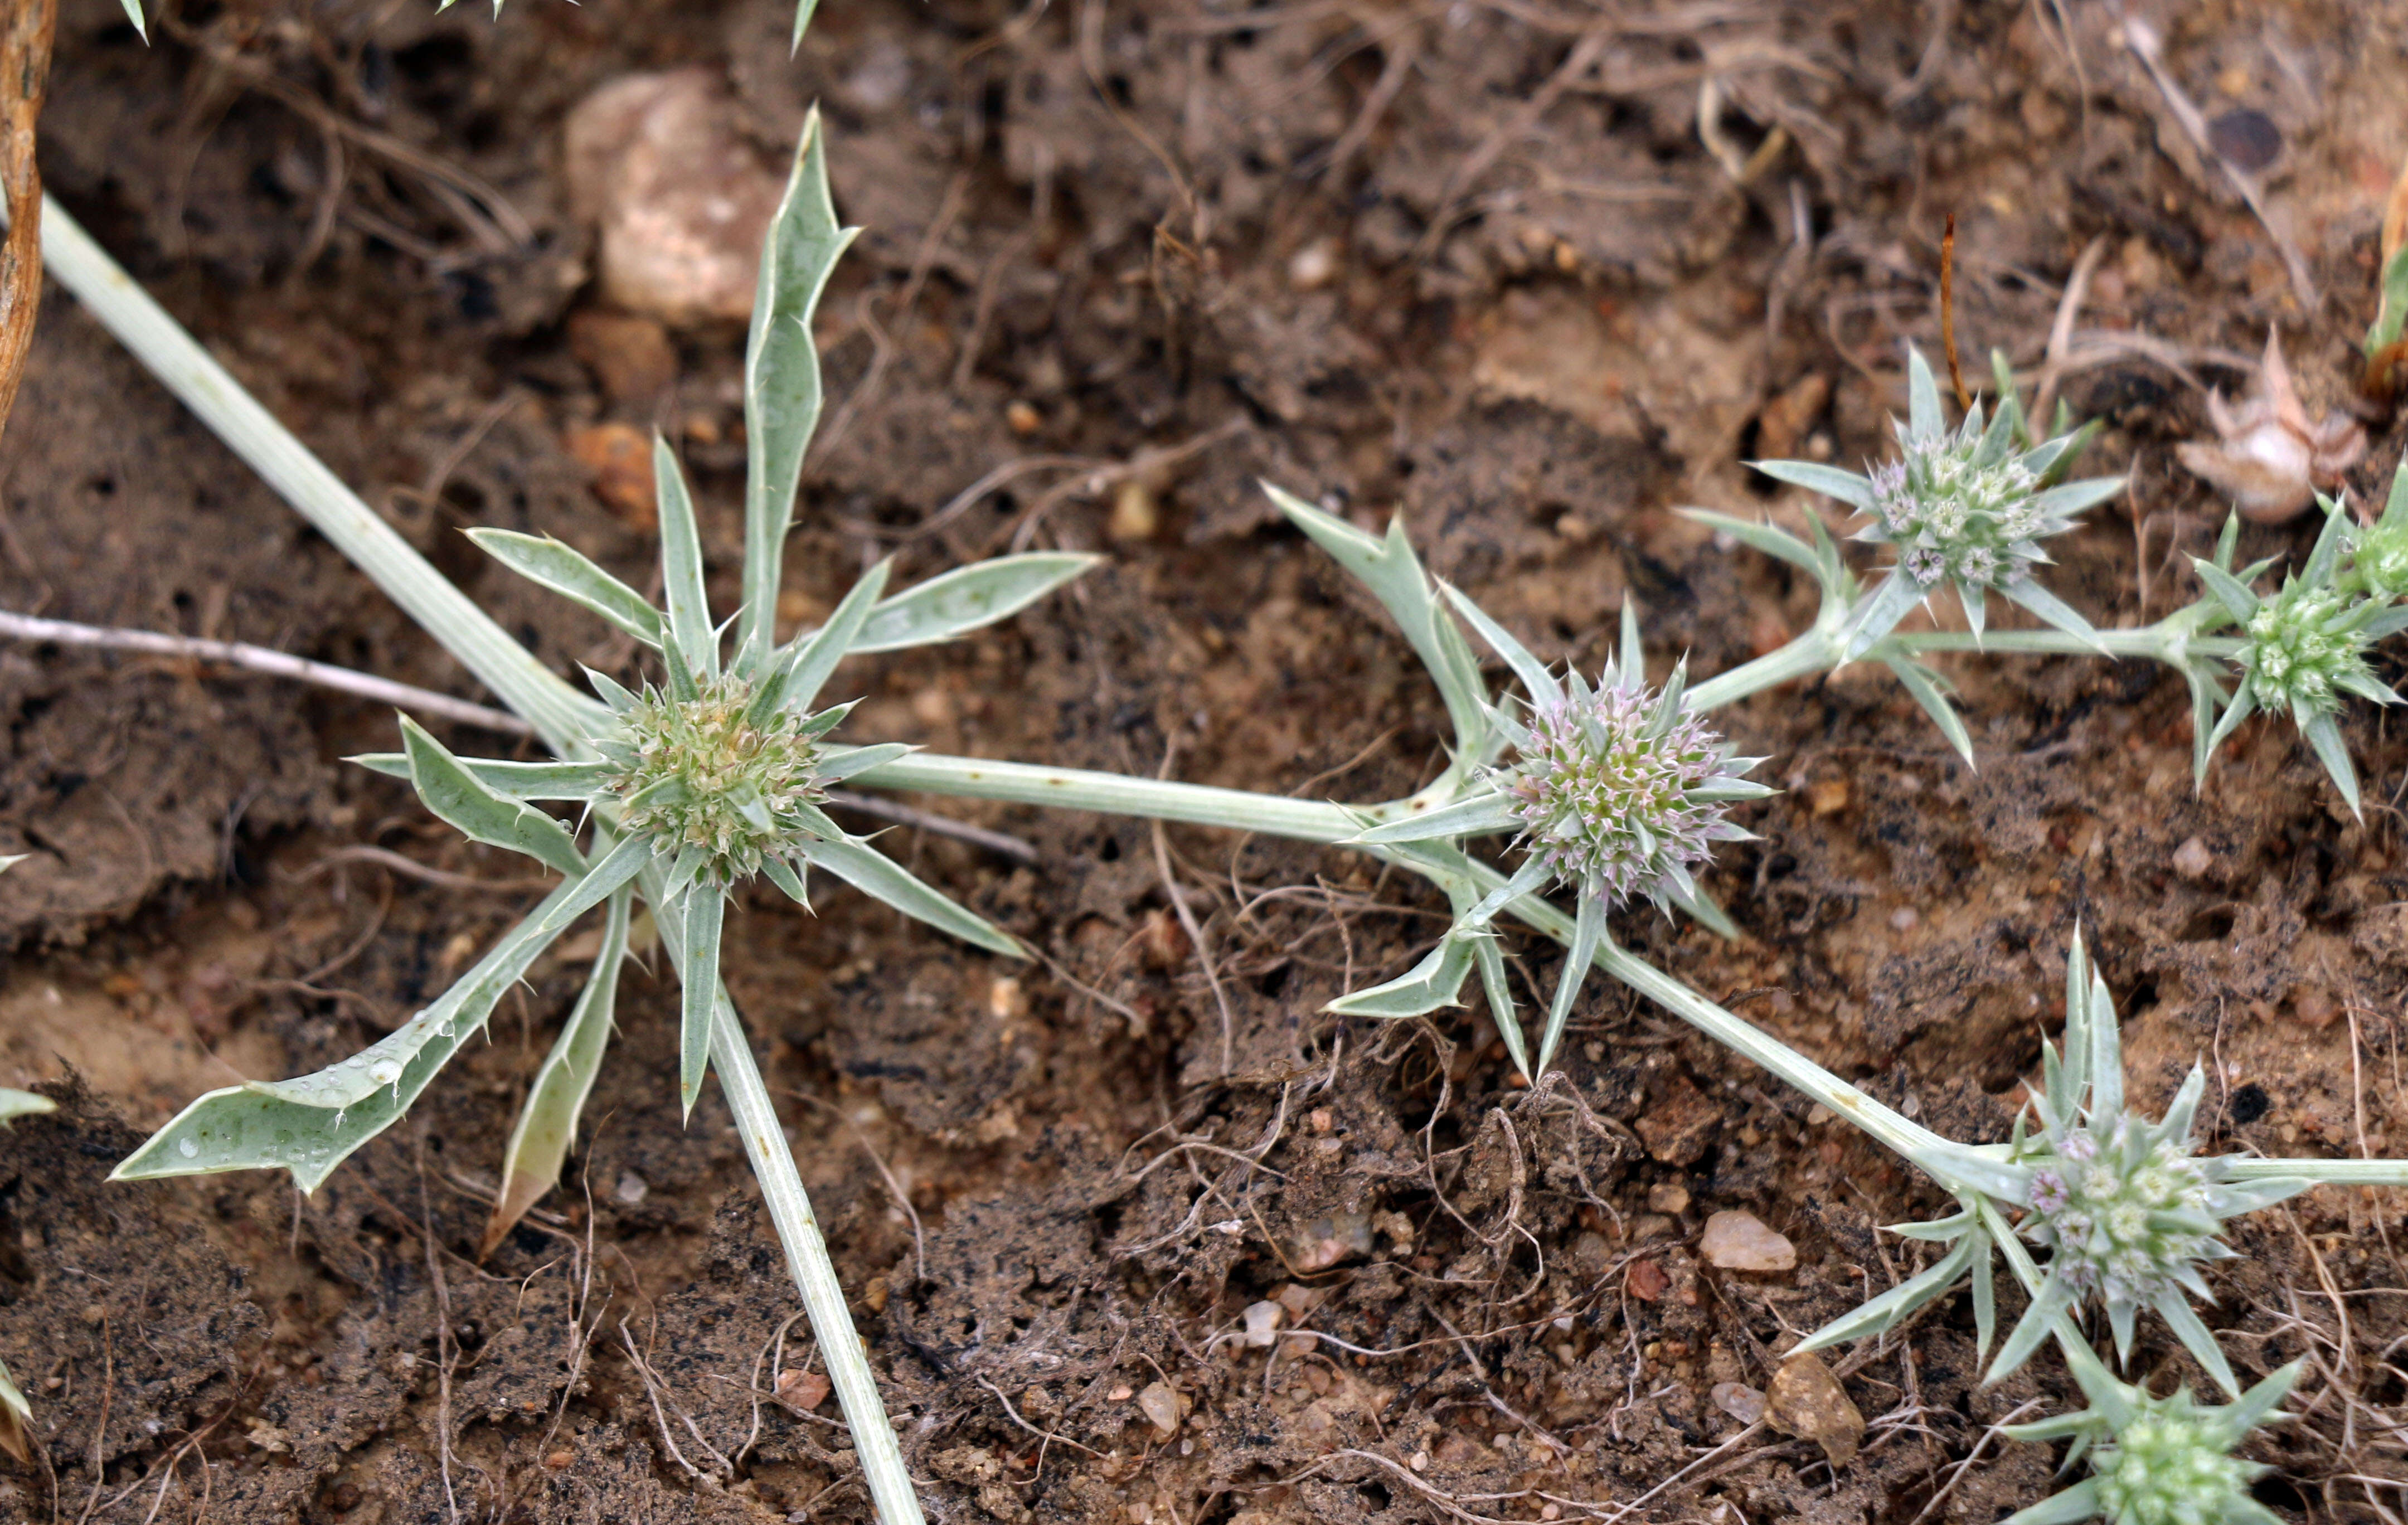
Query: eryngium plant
(2302, 648)
(712, 774)
(2155, 1460)
(1964, 510)
(2126, 1208)
(1618, 793)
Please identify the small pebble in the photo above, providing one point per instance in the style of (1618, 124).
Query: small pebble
(1903, 919)
(1669, 1197)
(658, 163)
(2248, 140)
(1160, 1407)
(1022, 418)
(1737, 1241)
(1808, 1402)
(1135, 515)
(2192, 859)
(1262, 1323)
(619, 457)
(1314, 265)
(1738, 1400)
(632, 1188)
(803, 1389)
(1120, 1394)
(1827, 796)
(1645, 1280)
(559, 1460)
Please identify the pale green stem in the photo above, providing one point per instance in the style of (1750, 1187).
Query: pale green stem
(558, 711)
(561, 714)
(1071, 788)
(2348, 1173)
(1818, 650)
(797, 1227)
(1803, 657)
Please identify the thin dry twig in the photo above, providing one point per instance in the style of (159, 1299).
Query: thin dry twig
(262, 659)
(1948, 312)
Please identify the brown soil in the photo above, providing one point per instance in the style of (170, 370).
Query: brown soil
(1471, 261)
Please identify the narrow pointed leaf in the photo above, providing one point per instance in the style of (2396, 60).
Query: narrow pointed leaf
(1762, 536)
(874, 874)
(456, 795)
(309, 1125)
(2324, 735)
(567, 572)
(2076, 1503)
(2032, 1328)
(705, 914)
(967, 598)
(1433, 982)
(1389, 569)
(837, 766)
(2048, 606)
(517, 780)
(2228, 590)
(782, 376)
(1480, 815)
(1881, 1313)
(1879, 614)
(1930, 691)
(1924, 420)
(814, 656)
(2197, 1338)
(1847, 487)
(681, 569)
(1588, 930)
(1535, 678)
(545, 1129)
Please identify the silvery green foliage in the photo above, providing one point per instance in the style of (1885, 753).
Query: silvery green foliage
(2155, 1460)
(2378, 558)
(712, 774)
(2304, 647)
(1617, 792)
(1589, 757)
(1843, 601)
(2126, 1208)
(1964, 510)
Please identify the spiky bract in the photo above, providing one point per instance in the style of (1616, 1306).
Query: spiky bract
(709, 776)
(2306, 647)
(2157, 1460)
(1621, 791)
(1956, 516)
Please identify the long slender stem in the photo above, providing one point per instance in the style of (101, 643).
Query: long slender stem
(799, 1231)
(1308, 820)
(560, 713)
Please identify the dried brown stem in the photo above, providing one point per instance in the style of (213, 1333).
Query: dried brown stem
(24, 73)
(1948, 313)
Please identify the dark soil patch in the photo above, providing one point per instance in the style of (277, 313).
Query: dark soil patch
(1401, 258)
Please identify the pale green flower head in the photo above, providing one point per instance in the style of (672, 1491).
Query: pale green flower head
(1963, 510)
(2304, 647)
(2155, 1460)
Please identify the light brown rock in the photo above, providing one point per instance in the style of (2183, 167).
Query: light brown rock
(1737, 1241)
(678, 198)
(1808, 1402)
(1160, 1407)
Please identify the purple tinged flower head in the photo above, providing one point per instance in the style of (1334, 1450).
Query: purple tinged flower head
(1622, 791)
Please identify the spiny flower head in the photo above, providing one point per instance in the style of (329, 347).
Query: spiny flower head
(2378, 562)
(1963, 508)
(2121, 1211)
(2304, 647)
(2127, 1206)
(712, 775)
(1958, 517)
(2157, 1460)
(1622, 791)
